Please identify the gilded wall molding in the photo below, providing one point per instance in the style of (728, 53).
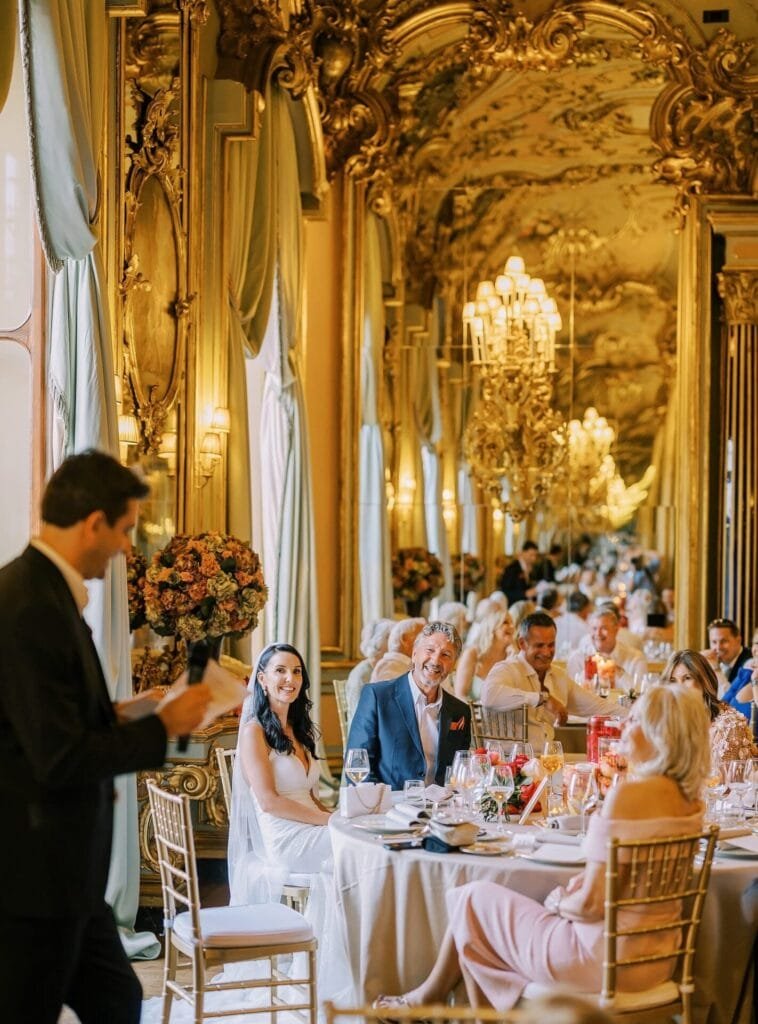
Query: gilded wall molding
(739, 290)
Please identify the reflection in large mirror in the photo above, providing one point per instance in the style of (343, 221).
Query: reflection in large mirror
(555, 168)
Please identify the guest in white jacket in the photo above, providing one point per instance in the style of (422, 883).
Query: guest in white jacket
(629, 663)
(531, 678)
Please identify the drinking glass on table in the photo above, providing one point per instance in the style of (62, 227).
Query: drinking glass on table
(715, 788)
(356, 765)
(582, 791)
(552, 759)
(500, 786)
(738, 779)
(414, 792)
(465, 776)
(518, 748)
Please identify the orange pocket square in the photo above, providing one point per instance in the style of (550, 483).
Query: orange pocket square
(458, 725)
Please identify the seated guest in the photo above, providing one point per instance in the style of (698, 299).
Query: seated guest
(730, 736)
(399, 646)
(492, 643)
(498, 940)
(603, 640)
(549, 600)
(551, 564)
(725, 651)
(410, 726)
(519, 611)
(740, 693)
(374, 639)
(572, 625)
(456, 613)
(532, 679)
(518, 581)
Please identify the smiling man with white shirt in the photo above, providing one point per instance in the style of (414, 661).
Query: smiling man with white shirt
(410, 726)
(630, 664)
(531, 678)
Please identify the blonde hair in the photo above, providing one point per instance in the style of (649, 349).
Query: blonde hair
(374, 638)
(676, 724)
(401, 629)
(520, 610)
(485, 633)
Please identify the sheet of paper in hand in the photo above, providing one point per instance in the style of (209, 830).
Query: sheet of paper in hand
(227, 692)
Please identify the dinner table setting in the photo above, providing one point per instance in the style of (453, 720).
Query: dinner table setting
(522, 827)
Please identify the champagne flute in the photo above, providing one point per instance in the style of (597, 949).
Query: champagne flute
(552, 759)
(357, 766)
(583, 791)
(500, 786)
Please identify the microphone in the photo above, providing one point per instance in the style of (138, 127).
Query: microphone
(197, 662)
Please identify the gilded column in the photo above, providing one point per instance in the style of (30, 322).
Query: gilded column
(739, 543)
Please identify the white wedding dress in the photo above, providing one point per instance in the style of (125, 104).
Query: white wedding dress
(265, 852)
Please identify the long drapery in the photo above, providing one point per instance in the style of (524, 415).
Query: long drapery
(289, 551)
(64, 48)
(373, 530)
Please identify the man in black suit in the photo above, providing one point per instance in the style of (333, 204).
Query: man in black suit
(410, 726)
(61, 744)
(518, 582)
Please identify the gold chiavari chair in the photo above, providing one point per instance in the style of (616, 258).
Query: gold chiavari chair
(197, 940)
(341, 698)
(351, 1015)
(490, 724)
(650, 874)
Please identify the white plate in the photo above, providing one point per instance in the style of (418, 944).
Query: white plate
(488, 849)
(379, 824)
(552, 853)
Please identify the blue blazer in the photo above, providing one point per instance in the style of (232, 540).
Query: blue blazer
(385, 724)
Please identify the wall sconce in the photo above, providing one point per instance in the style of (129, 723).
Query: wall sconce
(210, 455)
(168, 450)
(128, 434)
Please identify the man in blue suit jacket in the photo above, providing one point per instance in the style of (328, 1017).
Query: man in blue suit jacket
(410, 726)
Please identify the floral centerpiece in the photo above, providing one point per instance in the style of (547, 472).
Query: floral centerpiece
(527, 774)
(136, 566)
(204, 587)
(416, 576)
(468, 572)
(157, 666)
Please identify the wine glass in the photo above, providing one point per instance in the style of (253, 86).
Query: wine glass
(356, 765)
(738, 780)
(583, 791)
(519, 748)
(552, 759)
(500, 786)
(715, 787)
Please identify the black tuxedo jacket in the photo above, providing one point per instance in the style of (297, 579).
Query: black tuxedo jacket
(385, 724)
(60, 747)
(514, 582)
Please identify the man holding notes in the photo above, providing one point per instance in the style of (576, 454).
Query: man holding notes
(410, 726)
(531, 678)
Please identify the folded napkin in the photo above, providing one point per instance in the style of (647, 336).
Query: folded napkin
(365, 798)
(453, 832)
(747, 843)
(408, 814)
(551, 835)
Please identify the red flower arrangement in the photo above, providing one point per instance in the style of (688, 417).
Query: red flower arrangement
(204, 587)
(468, 572)
(526, 777)
(136, 566)
(416, 574)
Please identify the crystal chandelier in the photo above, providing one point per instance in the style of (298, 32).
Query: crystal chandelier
(514, 441)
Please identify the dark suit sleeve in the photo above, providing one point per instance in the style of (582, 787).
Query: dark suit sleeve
(67, 732)
(364, 730)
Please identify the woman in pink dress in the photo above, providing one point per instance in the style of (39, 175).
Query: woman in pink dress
(498, 940)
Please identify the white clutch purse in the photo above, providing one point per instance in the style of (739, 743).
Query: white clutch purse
(365, 798)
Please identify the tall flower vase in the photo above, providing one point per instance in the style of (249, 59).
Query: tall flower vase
(413, 607)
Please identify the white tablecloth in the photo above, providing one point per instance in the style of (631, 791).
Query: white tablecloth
(395, 915)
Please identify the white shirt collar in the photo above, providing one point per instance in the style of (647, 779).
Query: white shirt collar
(74, 580)
(420, 698)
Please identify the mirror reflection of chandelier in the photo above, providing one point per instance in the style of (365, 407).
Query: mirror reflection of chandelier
(515, 440)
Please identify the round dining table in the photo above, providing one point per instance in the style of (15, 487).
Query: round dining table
(395, 915)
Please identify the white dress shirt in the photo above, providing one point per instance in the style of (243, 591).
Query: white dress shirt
(514, 682)
(629, 662)
(74, 580)
(428, 719)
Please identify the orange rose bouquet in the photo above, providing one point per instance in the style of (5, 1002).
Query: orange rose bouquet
(468, 572)
(416, 574)
(203, 587)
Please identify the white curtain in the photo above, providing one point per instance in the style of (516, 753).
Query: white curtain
(469, 527)
(65, 50)
(373, 529)
(289, 550)
(429, 416)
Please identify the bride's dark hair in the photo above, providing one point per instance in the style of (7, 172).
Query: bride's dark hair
(299, 716)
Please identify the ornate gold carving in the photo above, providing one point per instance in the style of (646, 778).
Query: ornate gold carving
(739, 290)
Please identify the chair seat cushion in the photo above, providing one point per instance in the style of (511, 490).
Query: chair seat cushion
(264, 924)
(623, 1002)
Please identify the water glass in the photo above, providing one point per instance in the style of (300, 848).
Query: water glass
(738, 779)
(356, 765)
(500, 786)
(414, 792)
(582, 791)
